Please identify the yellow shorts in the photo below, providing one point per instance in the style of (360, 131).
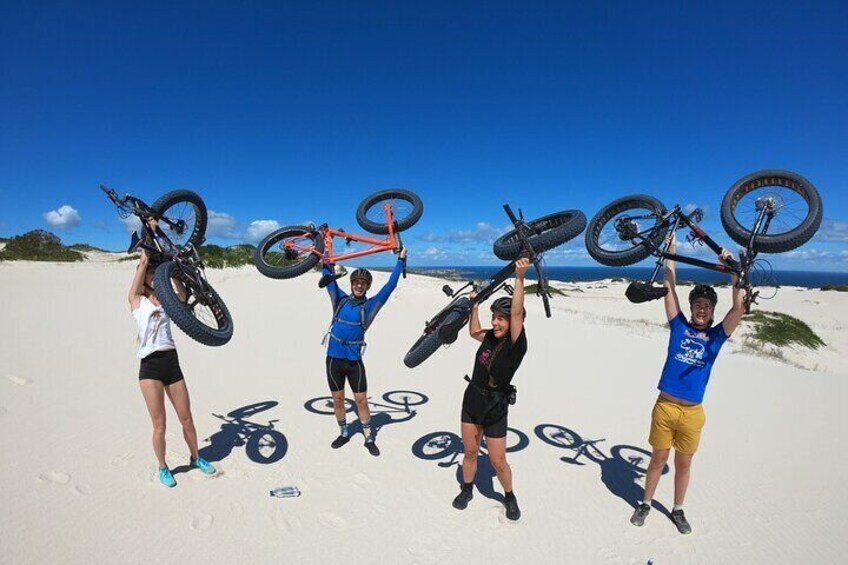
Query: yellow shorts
(676, 425)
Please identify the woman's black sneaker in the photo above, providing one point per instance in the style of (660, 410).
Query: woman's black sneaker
(463, 498)
(512, 510)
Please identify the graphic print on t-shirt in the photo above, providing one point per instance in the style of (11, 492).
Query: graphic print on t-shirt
(692, 348)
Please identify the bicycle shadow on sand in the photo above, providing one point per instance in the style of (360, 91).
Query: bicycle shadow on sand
(262, 443)
(622, 472)
(396, 408)
(448, 446)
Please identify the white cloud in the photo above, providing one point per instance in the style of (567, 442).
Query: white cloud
(132, 223)
(260, 228)
(434, 253)
(223, 225)
(63, 218)
(833, 230)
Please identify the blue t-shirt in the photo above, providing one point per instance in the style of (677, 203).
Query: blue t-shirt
(349, 327)
(691, 354)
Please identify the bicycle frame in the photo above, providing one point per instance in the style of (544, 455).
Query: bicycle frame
(678, 220)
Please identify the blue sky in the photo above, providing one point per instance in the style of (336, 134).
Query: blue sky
(281, 113)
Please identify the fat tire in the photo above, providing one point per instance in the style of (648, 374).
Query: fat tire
(607, 213)
(401, 224)
(175, 197)
(778, 243)
(428, 343)
(290, 271)
(556, 229)
(253, 452)
(181, 315)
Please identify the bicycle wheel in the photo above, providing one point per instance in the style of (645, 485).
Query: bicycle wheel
(406, 210)
(558, 436)
(437, 445)
(187, 212)
(405, 398)
(430, 341)
(289, 252)
(548, 232)
(794, 200)
(266, 446)
(636, 457)
(324, 405)
(203, 317)
(516, 440)
(609, 246)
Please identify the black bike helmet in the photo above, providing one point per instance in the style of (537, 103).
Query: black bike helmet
(362, 274)
(703, 291)
(503, 305)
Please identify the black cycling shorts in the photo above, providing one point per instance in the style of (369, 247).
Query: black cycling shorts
(487, 409)
(162, 366)
(339, 369)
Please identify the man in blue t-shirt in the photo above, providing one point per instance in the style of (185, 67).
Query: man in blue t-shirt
(678, 415)
(352, 314)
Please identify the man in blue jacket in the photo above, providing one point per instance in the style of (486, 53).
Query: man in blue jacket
(352, 314)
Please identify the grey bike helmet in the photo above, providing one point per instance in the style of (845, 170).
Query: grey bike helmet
(503, 305)
(362, 274)
(703, 291)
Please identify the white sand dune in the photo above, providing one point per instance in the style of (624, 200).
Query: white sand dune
(77, 473)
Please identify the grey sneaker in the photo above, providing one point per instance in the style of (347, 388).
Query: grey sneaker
(681, 522)
(639, 515)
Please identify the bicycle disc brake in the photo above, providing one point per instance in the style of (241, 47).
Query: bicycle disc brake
(771, 202)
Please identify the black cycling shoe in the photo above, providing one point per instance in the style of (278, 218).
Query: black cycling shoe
(512, 511)
(339, 441)
(372, 448)
(463, 498)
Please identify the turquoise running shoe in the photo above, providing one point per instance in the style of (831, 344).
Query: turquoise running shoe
(166, 478)
(203, 465)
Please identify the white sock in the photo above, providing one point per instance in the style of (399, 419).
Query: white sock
(677, 507)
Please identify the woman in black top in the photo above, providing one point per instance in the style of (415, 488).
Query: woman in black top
(486, 400)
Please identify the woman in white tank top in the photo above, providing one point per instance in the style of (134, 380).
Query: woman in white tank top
(160, 373)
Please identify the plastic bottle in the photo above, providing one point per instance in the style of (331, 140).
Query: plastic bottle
(285, 492)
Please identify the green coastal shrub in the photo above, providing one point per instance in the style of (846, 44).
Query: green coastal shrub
(782, 329)
(38, 245)
(836, 287)
(532, 288)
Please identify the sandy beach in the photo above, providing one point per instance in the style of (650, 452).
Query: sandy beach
(78, 478)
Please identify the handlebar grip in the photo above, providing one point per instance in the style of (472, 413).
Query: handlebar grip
(509, 213)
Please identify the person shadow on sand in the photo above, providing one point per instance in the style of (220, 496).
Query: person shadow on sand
(622, 473)
(263, 444)
(448, 446)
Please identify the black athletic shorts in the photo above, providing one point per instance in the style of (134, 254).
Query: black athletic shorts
(485, 408)
(339, 369)
(162, 366)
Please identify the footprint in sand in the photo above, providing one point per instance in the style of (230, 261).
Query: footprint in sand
(3, 410)
(82, 490)
(378, 508)
(286, 523)
(362, 481)
(121, 460)
(334, 521)
(19, 380)
(55, 477)
(202, 521)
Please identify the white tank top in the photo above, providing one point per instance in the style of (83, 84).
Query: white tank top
(154, 328)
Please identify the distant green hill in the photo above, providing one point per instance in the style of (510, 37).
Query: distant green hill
(38, 245)
(86, 247)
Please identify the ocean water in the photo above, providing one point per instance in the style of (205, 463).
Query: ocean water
(582, 274)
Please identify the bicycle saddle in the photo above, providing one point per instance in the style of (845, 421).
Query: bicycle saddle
(643, 292)
(325, 280)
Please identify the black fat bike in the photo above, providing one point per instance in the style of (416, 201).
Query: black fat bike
(180, 280)
(527, 239)
(769, 211)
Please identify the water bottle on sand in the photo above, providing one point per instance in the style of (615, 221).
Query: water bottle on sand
(285, 492)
